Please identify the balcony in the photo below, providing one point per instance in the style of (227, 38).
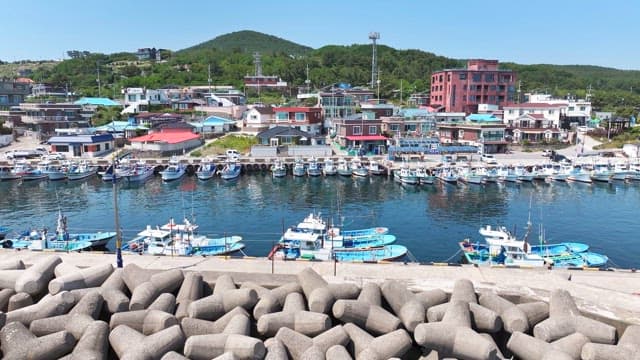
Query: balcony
(48, 119)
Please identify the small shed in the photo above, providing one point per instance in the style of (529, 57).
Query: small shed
(82, 145)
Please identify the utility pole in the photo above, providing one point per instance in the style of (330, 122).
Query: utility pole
(98, 71)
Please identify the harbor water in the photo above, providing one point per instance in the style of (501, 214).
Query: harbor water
(429, 220)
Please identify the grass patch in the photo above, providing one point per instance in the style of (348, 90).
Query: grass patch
(219, 146)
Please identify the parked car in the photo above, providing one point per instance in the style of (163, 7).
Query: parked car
(55, 156)
(21, 154)
(489, 159)
(233, 154)
(546, 153)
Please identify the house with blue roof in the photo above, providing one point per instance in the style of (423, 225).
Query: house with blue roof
(96, 101)
(126, 129)
(482, 118)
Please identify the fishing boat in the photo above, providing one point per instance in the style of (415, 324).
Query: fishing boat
(54, 172)
(140, 172)
(405, 175)
(343, 168)
(314, 168)
(447, 175)
(206, 170)
(299, 168)
(174, 171)
(471, 176)
(231, 170)
(34, 174)
(357, 169)
(117, 171)
(544, 171)
(562, 173)
(523, 174)
(279, 169)
(559, 255)
(507, 174)
(375, 168)
(580, 174)
(185, 240)
(40, 239)
(80, 170)
(424, 175)
(621, 171)
(602, 172)
(9, 173)
(329, 168)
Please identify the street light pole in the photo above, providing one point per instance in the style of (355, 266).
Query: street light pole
(115, 209)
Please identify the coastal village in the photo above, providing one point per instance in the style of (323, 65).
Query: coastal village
(322, 291)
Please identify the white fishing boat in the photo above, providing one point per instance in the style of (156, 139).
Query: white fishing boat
(602, 172)
(621, 171)
(580, 174)
(357, 169)
(140, 172)
(279, 169)
(299, 169)
(81, 170)
(206, 169)
(470, 175)
(33, 173)
(375, 168)
(447, 174)
(329, 168)
(8, 173)
(544, 171)
(174, 171)
(231, 170)
(314, 168)
(54, 171)
(343, 168)
(425, 176)
(405, 175)
(523, 174)
(562, 172)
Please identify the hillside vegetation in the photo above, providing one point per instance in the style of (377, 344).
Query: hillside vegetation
(230, 58)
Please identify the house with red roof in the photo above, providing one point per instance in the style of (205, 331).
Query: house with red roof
(173, 138)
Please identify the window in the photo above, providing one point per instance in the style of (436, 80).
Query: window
(131, 97)
(571, 108)
(282, 116)
(98, 147)
(582, 108)
(86, 148)
(489, 77)
(62, 148)
(462, 76)
(550, 112)
(395, 127)
(511, 111)
(477, 77)
(460, 134)
(373, 130)
(300, 116)
(106, 146)
(357, 130)
(492, 88)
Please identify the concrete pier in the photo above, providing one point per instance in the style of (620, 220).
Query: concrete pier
(364, 311)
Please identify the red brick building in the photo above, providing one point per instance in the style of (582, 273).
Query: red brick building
(461, 90)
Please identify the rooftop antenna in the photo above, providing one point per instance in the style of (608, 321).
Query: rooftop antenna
(374, 36)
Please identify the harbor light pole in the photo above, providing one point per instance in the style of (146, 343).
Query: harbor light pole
(116, 217)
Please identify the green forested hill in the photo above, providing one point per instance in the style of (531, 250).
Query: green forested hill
(230, 58)
(251, 41)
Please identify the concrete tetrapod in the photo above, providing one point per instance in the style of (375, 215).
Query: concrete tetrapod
(172, 355)
(132, 345)
(35, 279)
(192, 326)
(48, 306)
(272, 300)
(75, 322)
(514, 317)
(483, 319)
(303, 347)
(529, 348)
(5, 295)
(214, 306)
(17, 342)
(94, 343)
(454, 337)
(565, 319)
(320, 294)
(19, 300)
(12, 264)
(192, 289)
(404, 303)
(628, 347)
(275, 350)
(75, 278)
(372, 318)
(338, 352)
(295, 317)
(112, 290)
(234, 339)
(366, 347)
(163, 282)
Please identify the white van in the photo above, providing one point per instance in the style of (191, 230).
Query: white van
(489, 159)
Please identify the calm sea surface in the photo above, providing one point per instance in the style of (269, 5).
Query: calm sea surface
(429, 220)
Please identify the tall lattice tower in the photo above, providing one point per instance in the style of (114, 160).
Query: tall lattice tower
(258, 63)
(374, 36)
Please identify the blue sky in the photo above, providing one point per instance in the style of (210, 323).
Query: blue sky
(590, 32)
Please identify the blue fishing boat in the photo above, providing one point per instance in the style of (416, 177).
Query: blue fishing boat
(206, 170)
(230, 171)
(174, 171)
